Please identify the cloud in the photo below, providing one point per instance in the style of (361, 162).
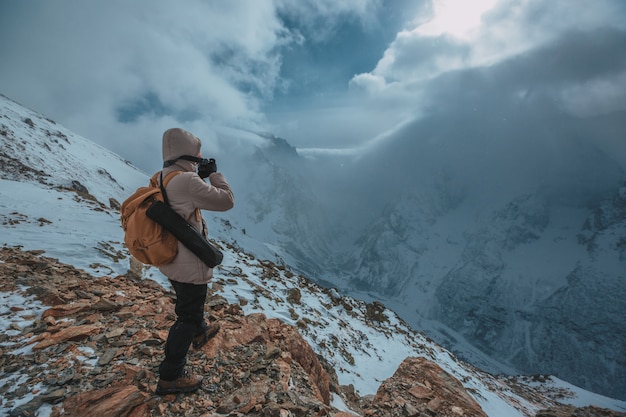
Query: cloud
(509, 128)
(455, 17)
(114, 66)
(570, 53)
(598, 96)
(414, 57)
(328, 73)
(507, 29)
(540, 52)
(116, 71)
(321, 19)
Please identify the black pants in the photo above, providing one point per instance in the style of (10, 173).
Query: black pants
(190, 322)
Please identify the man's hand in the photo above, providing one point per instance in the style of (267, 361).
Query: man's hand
(204, 170)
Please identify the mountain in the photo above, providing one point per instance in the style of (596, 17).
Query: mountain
(514, 254)
(499, 247)
(280, 205)
(60, 195)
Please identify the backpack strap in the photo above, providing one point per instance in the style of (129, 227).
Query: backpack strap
(163, 182)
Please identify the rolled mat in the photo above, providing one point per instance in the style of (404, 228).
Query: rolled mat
(185, 233)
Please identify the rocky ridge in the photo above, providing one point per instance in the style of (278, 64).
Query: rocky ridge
(80, 345)
(97, 343)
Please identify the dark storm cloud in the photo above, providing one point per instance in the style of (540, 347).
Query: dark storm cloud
(576, 57)
(505, 129)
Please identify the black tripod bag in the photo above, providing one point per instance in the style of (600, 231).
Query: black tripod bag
(193, 240)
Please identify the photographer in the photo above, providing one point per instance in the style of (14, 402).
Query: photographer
(188, 193)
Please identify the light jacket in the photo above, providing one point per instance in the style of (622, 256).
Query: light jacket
(187, 194)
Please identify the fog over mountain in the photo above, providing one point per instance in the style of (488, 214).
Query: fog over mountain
(514, 251)
(506, 228)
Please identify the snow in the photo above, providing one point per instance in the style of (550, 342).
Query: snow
(13, 315)
(79, 232)
(49, 214)
(579, 397)
(338, 403)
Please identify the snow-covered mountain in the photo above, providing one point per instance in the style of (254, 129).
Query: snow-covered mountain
(278, 204)
(502, 247)
(500, 256)
(520, 255)
(59, 193)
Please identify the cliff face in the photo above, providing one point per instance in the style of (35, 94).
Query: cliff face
(514, 284)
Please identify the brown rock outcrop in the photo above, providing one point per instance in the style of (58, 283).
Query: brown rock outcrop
(97, 346)
(421, 388)
(126, 401)
(283, 345)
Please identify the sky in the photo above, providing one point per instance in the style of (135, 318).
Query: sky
(337, 75)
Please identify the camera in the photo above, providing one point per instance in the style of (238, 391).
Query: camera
(206, 167)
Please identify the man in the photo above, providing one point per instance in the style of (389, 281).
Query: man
(188, 193)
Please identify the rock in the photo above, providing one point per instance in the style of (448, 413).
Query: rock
(107, 357)
(421, 387)
(571, 411)
(53, 396)
(294, 296)
(105, 305)
(125, 401)
(74, 333)
(270, 332)
(303, 354)
(66, 310)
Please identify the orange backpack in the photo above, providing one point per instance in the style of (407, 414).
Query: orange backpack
(145, 239)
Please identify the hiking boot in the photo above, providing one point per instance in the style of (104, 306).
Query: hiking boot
(184, 383)
(201, 339)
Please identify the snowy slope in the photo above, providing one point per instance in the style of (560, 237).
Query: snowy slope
(531, 278)
(44, 212)
(48, 170)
